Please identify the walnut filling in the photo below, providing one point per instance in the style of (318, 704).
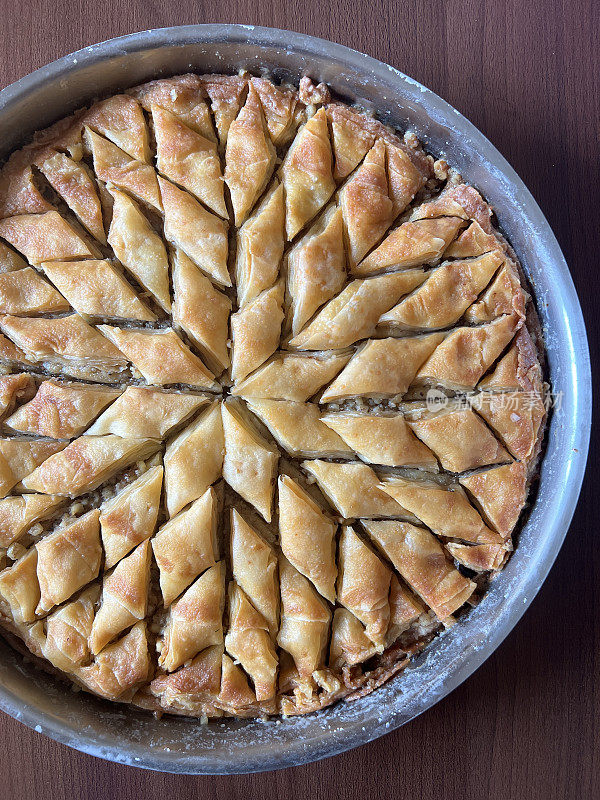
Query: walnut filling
(270, 394)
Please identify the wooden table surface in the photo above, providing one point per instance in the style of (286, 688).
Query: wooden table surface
(526, 724)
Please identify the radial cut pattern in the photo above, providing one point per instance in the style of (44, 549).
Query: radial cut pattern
(270, 397)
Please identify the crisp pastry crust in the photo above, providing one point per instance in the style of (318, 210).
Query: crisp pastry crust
(271, 394)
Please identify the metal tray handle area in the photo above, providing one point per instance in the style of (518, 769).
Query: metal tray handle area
(181, 745)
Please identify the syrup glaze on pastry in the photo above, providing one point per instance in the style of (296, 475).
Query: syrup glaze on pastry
(225, 489)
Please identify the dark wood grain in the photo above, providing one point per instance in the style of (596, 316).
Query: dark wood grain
(526, 724)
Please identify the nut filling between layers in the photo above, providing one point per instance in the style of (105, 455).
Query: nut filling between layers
(270, 394)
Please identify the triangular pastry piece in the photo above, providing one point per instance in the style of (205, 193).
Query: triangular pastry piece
(67, 631)
(249, 158)
(19, 513)
(307, 537)
(139, 248)
(201, 311)
(500, 493)
(9, 259)
(363, 585)
(316, 268)
(226, 93)
(86, 463)
(186, 545)
(473, 241)
(459, 438)
(260, 243)
(307, 173)
(201, 235)
(351, 140)
(18, 191)
(161, 356)
(354, 313)
(183, 96)
(446, 294)
(117, 168)
(518, 369)
(405, 609)
(15, 389)
(466, 354)
(250, 644)
(444, 509)
(188, 159)
(61, 411)
(65, 344)
(67, 560)
(517, 419)
(412, 244)
(121, 119)
(478, 557)
(193, 688)
(96, 288)
(290, 376)
(121, 667)
(420, 559)
(503, 296)
(254, 566)
(382, 368)
(382, 439)
(235, 693)
(19, 457)
(19, 587)
(130, 518)
(305, 619)
(349, 643)
(11, 355)
(24, 292)
(193, 459)
(255, 332)
(44, 237)
(124, 598)
(298, 428)
(405, 175)
(366, 204)
(250, 462)
(353, 489)
(73, 182)
(195, 620)
(279, 106)
(148, 413)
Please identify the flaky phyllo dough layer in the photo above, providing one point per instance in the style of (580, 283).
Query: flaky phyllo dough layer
(223, 490)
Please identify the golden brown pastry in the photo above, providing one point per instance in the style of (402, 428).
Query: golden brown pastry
(68, 629)
(354, 313)
(44, 237)
(363, 585)
(183, 96)
(19, 457)
(15, 389)
(351, 139)
(316, 268)
(405, 609)
(478, 557)
(260, 243)
(19, 587)
(161, 356)
(195, 620)
(24, 292)
(281, 109)
(188, 159)
(68, 559)
(194, 459)
(19, 513)
(86, 463)
(382, 439)
(201, 311)
(299, 429)
(146, 413)
(9, 259)
(249, 157)
(255, 332)
(382, 368)
(95, 288)
(186, 545)
(130, 517)
(121, 667)
(420, 559)
(226, 94)
(307, 173)
(349, 643)
(61, 410)
(307, 537)
(250, 461)
(139, 248)
(516, 418)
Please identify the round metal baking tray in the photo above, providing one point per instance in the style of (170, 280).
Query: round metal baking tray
(181, 745)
